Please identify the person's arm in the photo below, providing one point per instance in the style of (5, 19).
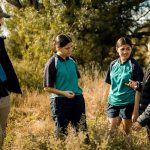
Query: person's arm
(143, 119)
(136, 85)
(68, 94)
(136, 106)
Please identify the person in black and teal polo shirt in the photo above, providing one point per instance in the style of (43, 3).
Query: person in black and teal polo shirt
(123, 101)
(61, 79)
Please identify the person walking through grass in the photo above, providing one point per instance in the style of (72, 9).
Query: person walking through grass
(8, 83)
(123, 101)
(144, 109)
(61, 80)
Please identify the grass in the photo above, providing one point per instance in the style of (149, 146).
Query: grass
(30, 125)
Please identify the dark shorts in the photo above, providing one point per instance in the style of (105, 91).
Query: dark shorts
(124, 112)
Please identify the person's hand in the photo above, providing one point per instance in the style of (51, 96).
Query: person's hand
(134, 117)
(136, 126)
(69, 94)
(132, 84)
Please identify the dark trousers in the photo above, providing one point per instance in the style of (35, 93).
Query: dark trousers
(68, 110)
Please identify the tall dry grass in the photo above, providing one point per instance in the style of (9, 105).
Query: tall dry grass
(30, 125)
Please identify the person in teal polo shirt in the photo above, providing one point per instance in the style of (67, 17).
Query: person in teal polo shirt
(61, 80)
(123, 101)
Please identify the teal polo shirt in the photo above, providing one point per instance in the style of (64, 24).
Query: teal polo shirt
(119, 74)
(62, 75)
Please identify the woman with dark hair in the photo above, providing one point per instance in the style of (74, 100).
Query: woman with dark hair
(8, 83)
(123, 101)
(61, 79)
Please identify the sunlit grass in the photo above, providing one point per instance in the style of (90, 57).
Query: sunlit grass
(30, 125)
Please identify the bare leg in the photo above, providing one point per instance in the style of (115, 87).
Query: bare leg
(126, 125)
(4, 111)
(113, 124)
(119, 121)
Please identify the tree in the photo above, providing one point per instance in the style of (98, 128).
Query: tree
(95, 26)
(18, 3)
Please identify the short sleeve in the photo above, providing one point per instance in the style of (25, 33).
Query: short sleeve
(78, 73)
(49, 73)
(107, 79)
(137, 74)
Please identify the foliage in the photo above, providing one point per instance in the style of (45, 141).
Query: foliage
(94, 25)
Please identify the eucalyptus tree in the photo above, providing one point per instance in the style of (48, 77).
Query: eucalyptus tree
(94, 25)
